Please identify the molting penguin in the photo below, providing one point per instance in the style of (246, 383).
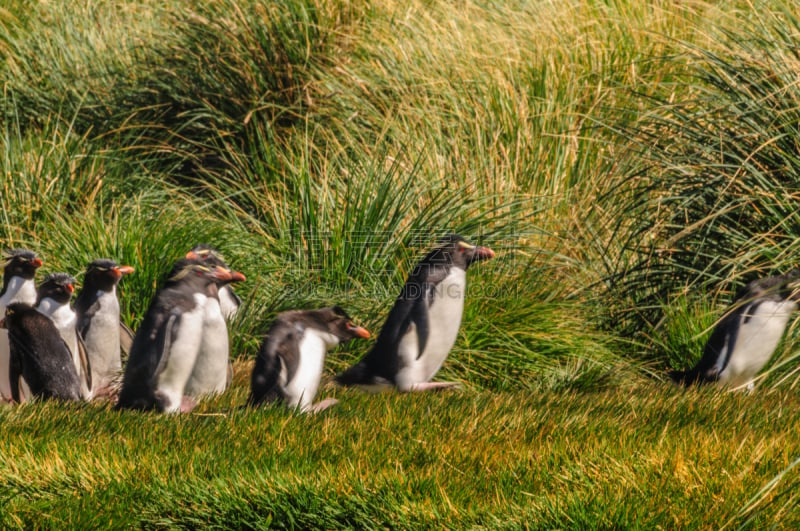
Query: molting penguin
(229, 301)
(19, 270)
(744, 340)
(213, 371)
(290, 361)
(99, 325)
(40, 355)
(54, 295)
(423, 324)
(166, 344)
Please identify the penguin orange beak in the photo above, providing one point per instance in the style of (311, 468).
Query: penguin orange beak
(358, 331)
(191, 255)
(126, 270)
(36, 262)
(483, 253)
(70, 288)
(220, 273)
(237, 276)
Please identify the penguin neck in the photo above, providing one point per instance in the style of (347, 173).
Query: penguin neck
(18, 289)
(321, 337)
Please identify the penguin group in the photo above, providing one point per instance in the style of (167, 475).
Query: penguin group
(180, 354)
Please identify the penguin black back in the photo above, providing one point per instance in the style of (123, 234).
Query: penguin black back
(39, 354)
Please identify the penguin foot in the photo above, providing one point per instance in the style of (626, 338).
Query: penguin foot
(187, 404)
(322, 405)
(435, 386)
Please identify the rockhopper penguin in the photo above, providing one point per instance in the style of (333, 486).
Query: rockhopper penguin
(167, 343)
(99, 325)
(423, 324)
(54, 295)
(290, 361)
(19, 270)
(213, 371)
(39, 354)
(744, 340)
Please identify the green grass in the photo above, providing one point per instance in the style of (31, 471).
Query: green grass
(631, 163)
(642, 455)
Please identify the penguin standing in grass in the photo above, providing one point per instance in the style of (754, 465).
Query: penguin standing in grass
(213, 371)
(423, 324)
(19, 270)
(167, 343)
(291, 358)
(54, 296)
(744, 340)
(99, 325)
(40, 355)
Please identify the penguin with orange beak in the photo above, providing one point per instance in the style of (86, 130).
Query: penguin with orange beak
(99, 325)
(54, 296)
(19, 270)
(290, 362)
(167, 343)
(423, 324)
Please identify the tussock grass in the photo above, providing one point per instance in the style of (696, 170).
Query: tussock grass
(631, 163)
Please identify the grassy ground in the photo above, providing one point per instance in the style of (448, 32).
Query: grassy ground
(631, 163)
(645, 455)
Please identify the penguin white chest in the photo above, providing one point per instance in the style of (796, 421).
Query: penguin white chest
(760, 331)
(210, 373)
(65, 320)
(181, 355)
(302, 388)
(18, 290)
(444, 320)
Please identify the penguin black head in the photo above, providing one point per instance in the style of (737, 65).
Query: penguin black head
(104, 274)
(56, 286)
(208, 255)
(20, 263)
(336, 321)
(453, 249)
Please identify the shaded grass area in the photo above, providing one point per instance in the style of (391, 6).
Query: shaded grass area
(639, 455)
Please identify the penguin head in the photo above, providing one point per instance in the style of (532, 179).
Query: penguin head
(193, 271)
(104, 274)
(335, 321)
(208, 255)
(20, 263)
(453, 249)
(56, 286)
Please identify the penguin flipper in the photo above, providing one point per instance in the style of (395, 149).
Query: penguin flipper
(86, 368)
(419, 316)
(125, 339)
(279, 353)
(14, 374)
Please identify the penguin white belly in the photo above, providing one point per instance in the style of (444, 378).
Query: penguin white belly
(444, 320)
(181, 357)
(756, 341)
(302, 388)
(18, 290)
(210, 372)
(102, 342)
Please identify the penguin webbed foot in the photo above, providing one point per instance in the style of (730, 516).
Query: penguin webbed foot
(435, 386)
(322, 405)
